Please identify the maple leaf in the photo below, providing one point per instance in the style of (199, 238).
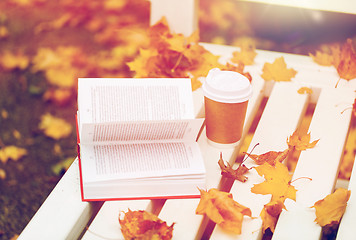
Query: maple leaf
(330, 209)
(328, 55)
(277, 182)
(270, 157)
(237, 174)
(300, 142)
(173, 56)
(277, 71)
(270, 214)
(347, 66)
(246, 55)
(322, 58)
(305, 90)
(222, 209)
(143, 225)
(343, 58)
(54, 127)
(11, 152)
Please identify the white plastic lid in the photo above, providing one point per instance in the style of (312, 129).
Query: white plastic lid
(227, 86)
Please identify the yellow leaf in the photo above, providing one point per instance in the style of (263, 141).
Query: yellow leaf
(54, 127)
(300, 142)
(11, 152)
(142, 64)
(2, 174)
(277, 182)
(305, 90)
(4, 33)
(322, 58)
(12, 61)
(277, 71)
(270, 214)
(330, 209)
(221, 208)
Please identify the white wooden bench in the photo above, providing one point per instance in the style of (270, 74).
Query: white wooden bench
(64, 216)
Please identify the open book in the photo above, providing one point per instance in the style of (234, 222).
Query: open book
(137, 139)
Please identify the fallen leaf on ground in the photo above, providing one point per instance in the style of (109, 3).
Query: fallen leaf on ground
(2, 174)
(222, 209)
(270, 157)
(301, 142)
(330, 209)
(277, 71)
(277, 182)
(11, 152)
(54, 127)
(10, 61)
(237, 174)
(143, 225)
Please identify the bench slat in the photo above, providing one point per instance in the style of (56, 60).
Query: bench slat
(347, 228)
(320, 163)
(107, 225)
(194, 228)
(63, 215)
(279, 119)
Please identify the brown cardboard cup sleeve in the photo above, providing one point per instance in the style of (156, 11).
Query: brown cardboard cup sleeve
(226, 95)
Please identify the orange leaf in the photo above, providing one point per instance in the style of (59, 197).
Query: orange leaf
(245, 56)
(227, 171)
(330, 209)
(54, 127)
(343, 58)
(173, 55)
(347, 66)
(322, 58)
(11, 152)
(277, 182)
(270, 157)
(142, 225)
(277, 71)
(12, 61)
(270, 214)
(221, 208)
(301, 142)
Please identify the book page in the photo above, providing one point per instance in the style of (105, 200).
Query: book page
(102, 100)
(132, 161)
(135, 132)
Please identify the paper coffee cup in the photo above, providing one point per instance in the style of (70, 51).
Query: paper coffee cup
(226, 95)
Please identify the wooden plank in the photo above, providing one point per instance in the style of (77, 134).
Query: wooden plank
(281, 116)
(320, 164)
(63, 215)
(347, 228)
(194, 228)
